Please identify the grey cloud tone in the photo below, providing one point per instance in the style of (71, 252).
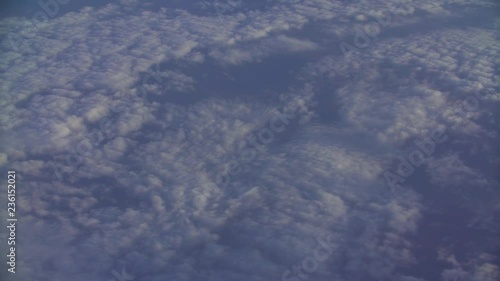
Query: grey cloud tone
(144, 197)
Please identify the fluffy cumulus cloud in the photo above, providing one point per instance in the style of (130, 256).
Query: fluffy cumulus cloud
(244, 141)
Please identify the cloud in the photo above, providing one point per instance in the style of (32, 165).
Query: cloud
(145, 196)
(452, 171)
(258, 51)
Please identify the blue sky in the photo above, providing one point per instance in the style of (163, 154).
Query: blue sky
(273, 140)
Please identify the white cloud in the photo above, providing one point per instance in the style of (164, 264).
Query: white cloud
(145, 198)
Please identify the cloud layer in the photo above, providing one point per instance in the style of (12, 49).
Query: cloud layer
(119, 133)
